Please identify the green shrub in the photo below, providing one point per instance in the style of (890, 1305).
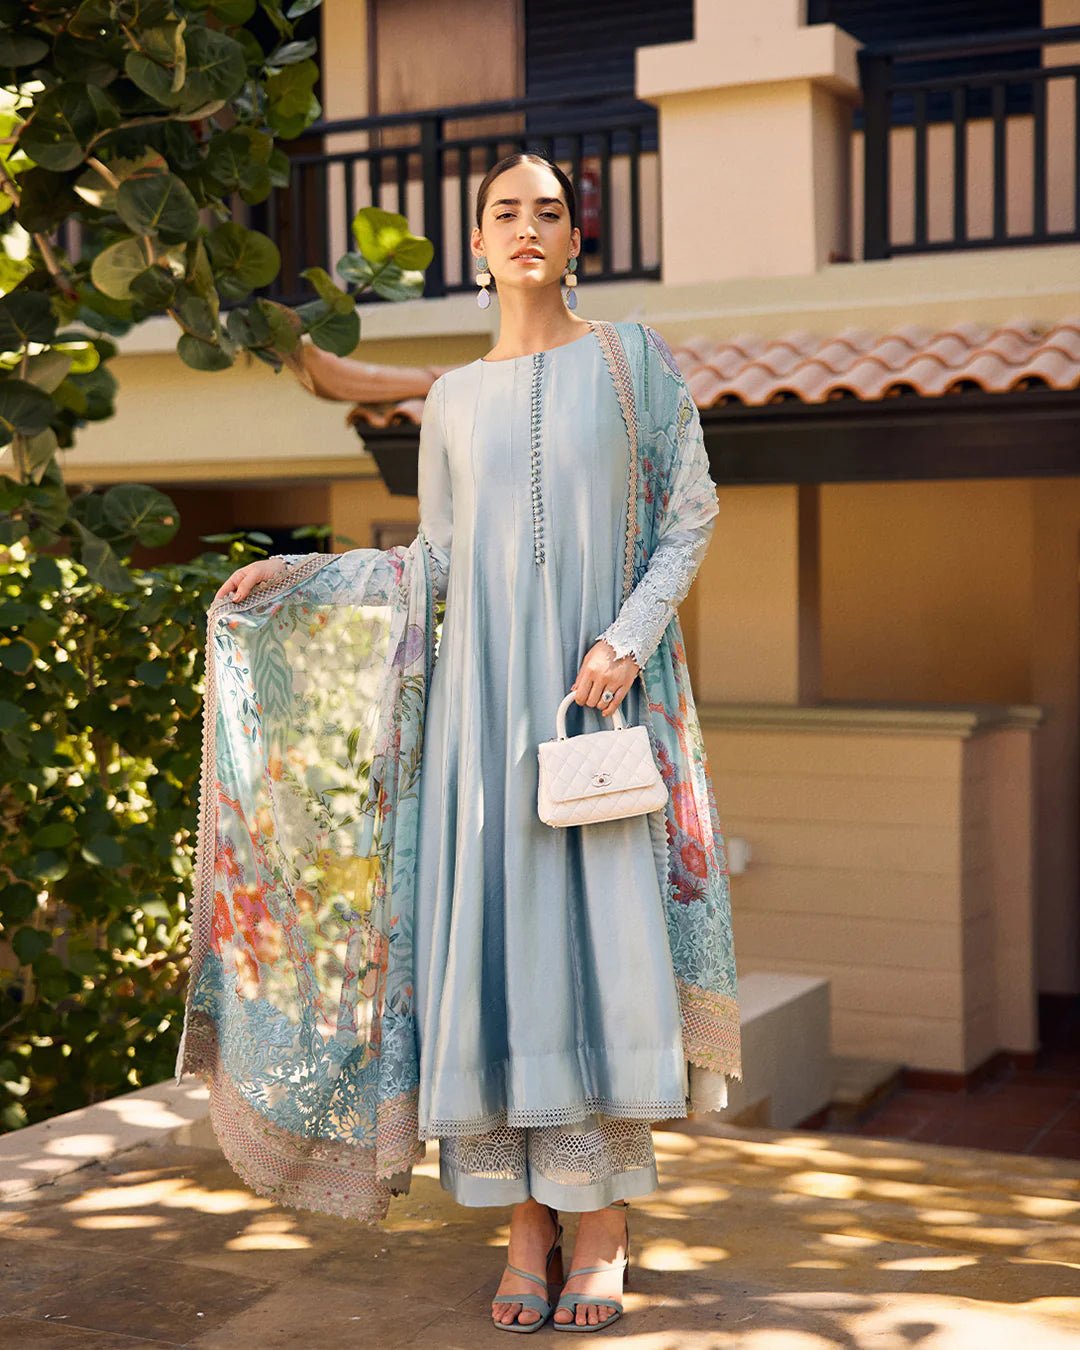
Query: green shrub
(100, 739)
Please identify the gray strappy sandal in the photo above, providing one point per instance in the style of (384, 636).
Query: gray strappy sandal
(544, 1306)
(574, 1301)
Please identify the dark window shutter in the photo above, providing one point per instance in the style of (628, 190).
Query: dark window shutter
(573, 46)
(873, 21)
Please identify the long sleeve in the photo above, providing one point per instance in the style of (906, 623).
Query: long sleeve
(685, 534)
(433, 486)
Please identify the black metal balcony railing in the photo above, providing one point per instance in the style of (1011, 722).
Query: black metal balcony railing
(427, 166)
(895, 96)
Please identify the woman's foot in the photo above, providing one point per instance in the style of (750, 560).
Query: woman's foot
(601, 1239)
(532, 1231)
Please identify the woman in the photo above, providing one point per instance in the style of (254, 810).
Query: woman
(551, 984)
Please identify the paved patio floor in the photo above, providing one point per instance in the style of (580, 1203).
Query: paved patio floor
(757, 1239)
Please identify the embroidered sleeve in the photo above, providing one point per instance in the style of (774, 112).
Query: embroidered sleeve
(687, 527)
(648, 608)
(433, 487)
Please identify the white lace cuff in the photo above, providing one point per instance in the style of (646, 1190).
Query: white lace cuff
(647, 610)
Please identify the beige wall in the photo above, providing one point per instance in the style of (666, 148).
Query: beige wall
(877, 848)
(958, 591)
(927, 590)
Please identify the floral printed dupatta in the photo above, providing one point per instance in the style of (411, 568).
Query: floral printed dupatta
(670, 490)
(299, 1010)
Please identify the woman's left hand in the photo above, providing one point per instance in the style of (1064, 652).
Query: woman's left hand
(601, 671)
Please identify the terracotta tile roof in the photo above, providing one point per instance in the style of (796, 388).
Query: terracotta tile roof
(857, 363)
(749, 370)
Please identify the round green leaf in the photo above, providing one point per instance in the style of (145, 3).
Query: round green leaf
(339, 301)
(156, 287)
(414, 253)
(355, 268)
(12, 717)
(292, 105)
(160, 204)
(265, 324)
(48, 369)
(98, 61)
(248, 327)
(200, 318)
(116, 267)
(29, 943)
(56, 835)
(102, 563)
(65, 121)
(337, 333)
(103, 851)
(154, 79)
(391, 283)
(16, 656)
(292, 53)
(200, 355)
(23, 408)
(17, 903)
(45, 199)
(216, 67)
(378, 233)
(243, 260)
(21, 49)
(25, 316)
(152, 674)
(143, 513)
(40, 450)
(45, 574)
(90, 18)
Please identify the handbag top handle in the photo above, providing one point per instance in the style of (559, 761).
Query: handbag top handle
(618, 721)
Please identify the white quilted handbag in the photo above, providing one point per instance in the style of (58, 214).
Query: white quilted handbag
(597, 775)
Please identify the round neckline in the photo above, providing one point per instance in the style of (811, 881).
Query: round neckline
(527, 356)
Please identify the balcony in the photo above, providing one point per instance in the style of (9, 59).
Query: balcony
(962, 143)
(971, 142)
(428, 165)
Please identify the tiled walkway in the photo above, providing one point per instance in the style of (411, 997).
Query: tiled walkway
(757, 1240)
(1033, 1111)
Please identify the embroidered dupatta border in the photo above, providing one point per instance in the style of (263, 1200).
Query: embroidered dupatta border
(710, 1019)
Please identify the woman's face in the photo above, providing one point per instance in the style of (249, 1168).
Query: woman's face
(526, 235)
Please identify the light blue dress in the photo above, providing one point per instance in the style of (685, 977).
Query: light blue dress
(545, 990)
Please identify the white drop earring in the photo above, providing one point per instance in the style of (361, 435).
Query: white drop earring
(483, 280)
(570, 280)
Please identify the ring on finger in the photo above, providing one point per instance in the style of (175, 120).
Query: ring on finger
(607, 696)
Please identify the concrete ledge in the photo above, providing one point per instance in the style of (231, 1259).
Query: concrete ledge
(40, 1154)
(961, 720)
(787, 1069)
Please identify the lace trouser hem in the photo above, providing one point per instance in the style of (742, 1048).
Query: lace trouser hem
(575, 1166)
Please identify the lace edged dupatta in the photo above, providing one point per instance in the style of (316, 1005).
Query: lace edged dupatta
(299, 1011)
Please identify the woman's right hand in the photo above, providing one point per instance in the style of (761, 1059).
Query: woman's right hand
(240, 585)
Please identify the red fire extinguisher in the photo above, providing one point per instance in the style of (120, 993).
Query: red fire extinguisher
(588, 194)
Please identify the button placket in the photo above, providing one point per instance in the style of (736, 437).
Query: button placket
(535, 480)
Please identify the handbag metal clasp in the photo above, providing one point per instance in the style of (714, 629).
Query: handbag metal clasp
(601, 779)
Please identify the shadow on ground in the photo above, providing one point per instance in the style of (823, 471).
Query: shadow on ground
(757, 1239)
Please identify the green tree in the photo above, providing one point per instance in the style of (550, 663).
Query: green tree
(136, 125)
(129, 130)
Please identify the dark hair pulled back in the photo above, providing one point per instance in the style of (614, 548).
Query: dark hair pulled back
(521, 157)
